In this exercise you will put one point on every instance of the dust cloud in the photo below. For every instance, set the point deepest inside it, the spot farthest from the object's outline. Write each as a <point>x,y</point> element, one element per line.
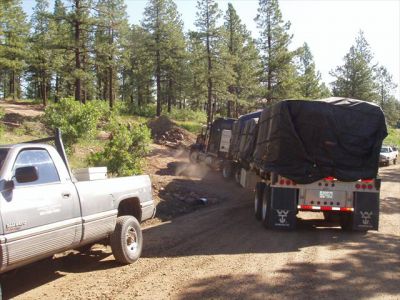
<point>191,170</point>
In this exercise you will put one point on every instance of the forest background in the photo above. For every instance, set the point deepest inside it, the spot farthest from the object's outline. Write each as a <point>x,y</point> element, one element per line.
<point>85,52</point>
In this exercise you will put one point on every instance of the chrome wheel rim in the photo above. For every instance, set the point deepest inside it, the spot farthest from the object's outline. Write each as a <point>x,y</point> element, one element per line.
<point>131,240</point>
<point>193,156</point>
<point>225,172</point>
<point>264,210</point>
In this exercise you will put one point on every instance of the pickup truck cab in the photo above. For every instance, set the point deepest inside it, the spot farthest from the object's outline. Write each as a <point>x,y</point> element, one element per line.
<point>387,155</point>
<point>44,210</point>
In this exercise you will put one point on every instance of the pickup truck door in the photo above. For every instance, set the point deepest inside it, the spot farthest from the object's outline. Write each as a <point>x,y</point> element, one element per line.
<point>40,217</point>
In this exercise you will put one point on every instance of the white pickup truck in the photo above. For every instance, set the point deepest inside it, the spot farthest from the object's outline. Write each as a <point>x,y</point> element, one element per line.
<point>44,210</point>
<point>387,155</point>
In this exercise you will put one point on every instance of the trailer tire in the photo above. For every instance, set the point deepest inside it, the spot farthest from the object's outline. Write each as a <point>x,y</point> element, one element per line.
<point>258,199</point>
<point>227,169</point>
<point>266,206</point>
<point>328,216</point>
<point>126,241</point>
<point>193,156</point>
<point>346,221</point>
<point>237,175</point>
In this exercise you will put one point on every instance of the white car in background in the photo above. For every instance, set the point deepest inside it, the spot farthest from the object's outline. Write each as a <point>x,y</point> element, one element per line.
<point>388,154</point>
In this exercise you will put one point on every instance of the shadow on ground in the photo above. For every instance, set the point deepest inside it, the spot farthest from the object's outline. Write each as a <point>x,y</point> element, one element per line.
<point>390,174</point>
<point>196,187</point>
<point>390,205</point>
<point>51,269</point>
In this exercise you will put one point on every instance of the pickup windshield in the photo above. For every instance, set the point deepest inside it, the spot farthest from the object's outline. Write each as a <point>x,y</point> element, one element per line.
<point>385,150</point>
<point>3,154</point>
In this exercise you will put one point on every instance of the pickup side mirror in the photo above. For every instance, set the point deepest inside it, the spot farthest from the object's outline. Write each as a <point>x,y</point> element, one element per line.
<point>26,174</point>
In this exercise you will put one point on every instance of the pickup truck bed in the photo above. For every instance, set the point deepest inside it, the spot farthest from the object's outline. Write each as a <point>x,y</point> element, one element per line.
<point>44,210</point>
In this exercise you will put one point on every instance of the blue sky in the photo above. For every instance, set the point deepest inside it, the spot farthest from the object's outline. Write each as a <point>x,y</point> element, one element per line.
<point>328,26</point>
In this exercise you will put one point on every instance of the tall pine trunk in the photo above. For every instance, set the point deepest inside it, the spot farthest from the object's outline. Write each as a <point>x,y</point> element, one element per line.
<point>209,68</point>
<point>78,84</point>
<point>12,85</point>
<point>44,89</point>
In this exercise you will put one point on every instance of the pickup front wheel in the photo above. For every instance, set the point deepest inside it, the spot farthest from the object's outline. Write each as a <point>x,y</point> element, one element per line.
<point>126,240</point>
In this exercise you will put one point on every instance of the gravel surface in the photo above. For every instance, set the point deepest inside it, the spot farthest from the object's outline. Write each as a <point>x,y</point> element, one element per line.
<point>222,252</point>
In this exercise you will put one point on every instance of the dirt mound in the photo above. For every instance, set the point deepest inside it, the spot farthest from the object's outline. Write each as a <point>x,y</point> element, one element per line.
<point>166,132</point>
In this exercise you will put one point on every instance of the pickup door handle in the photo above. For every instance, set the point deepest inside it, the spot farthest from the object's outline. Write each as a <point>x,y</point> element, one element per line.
<point>66,195</point>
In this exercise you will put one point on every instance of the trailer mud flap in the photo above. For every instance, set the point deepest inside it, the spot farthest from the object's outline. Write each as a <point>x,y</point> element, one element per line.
<point>366,211</point>
<point>283,208</point>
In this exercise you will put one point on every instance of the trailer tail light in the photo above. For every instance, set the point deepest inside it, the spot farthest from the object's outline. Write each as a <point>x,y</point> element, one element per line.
<point>358,186</point>
<point>367,180</point>
<point>370,186</point>
<point>329,178</point>
<point>325,208</point>
<point>287,182</point>
<point>346,209</point>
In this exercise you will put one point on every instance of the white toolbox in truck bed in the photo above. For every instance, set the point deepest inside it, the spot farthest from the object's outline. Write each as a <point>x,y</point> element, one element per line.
<point>89,174</point>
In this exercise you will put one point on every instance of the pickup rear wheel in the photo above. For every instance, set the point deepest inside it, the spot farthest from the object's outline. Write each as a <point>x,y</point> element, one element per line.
<point>126,240</point>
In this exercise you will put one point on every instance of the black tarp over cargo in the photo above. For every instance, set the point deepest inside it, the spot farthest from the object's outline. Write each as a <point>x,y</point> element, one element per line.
<point>237,131</point>
<point>309,140</point>
<point>247,140</point>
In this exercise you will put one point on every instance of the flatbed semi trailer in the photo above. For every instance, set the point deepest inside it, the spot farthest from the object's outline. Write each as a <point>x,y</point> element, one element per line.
<point>319,156</point>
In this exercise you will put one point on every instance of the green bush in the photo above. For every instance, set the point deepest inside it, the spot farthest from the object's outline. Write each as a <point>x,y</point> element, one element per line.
<point>192,127</point>
<point>2,114</point>
<point>393,138</point>
<point>75,119</point>
<point>148,111</point>
<point>187,115</point>
<point>123,154</point>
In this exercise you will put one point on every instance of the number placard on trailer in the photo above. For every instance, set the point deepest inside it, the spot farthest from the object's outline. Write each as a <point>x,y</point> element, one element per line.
<point>225,140</point>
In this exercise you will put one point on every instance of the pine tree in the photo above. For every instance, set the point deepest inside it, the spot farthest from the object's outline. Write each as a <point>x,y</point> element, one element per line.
<point>385,88</point>
<point>61,53</point>
<point>243,58</point>
<point>14,45</point>
<point>279,78</point>
<point>355,78</point>
<point>207,17</point>
<point>196,88</point>
<point>139,66</point>
<point>81,22</point>
<point>112,26</point>
<point>163,22</point>
<point>41,39</point>
<point>385,85</point>
<point>309,79</point>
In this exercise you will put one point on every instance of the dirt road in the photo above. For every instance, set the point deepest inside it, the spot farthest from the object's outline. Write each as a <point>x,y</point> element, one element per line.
<point>221,252</point>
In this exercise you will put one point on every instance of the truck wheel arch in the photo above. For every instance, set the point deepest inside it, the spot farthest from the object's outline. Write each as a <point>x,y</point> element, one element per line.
<point>130,207</point>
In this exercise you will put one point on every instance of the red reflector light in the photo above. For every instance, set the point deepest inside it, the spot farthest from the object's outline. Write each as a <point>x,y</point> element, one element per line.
<point>288,182</point>
<point>358,186</point>
<point>282,181</point>
<point>346,209</point>
<point>306,207</point>
<point>329,178</point>
<point>367,180</point>
<point>370,186</point>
